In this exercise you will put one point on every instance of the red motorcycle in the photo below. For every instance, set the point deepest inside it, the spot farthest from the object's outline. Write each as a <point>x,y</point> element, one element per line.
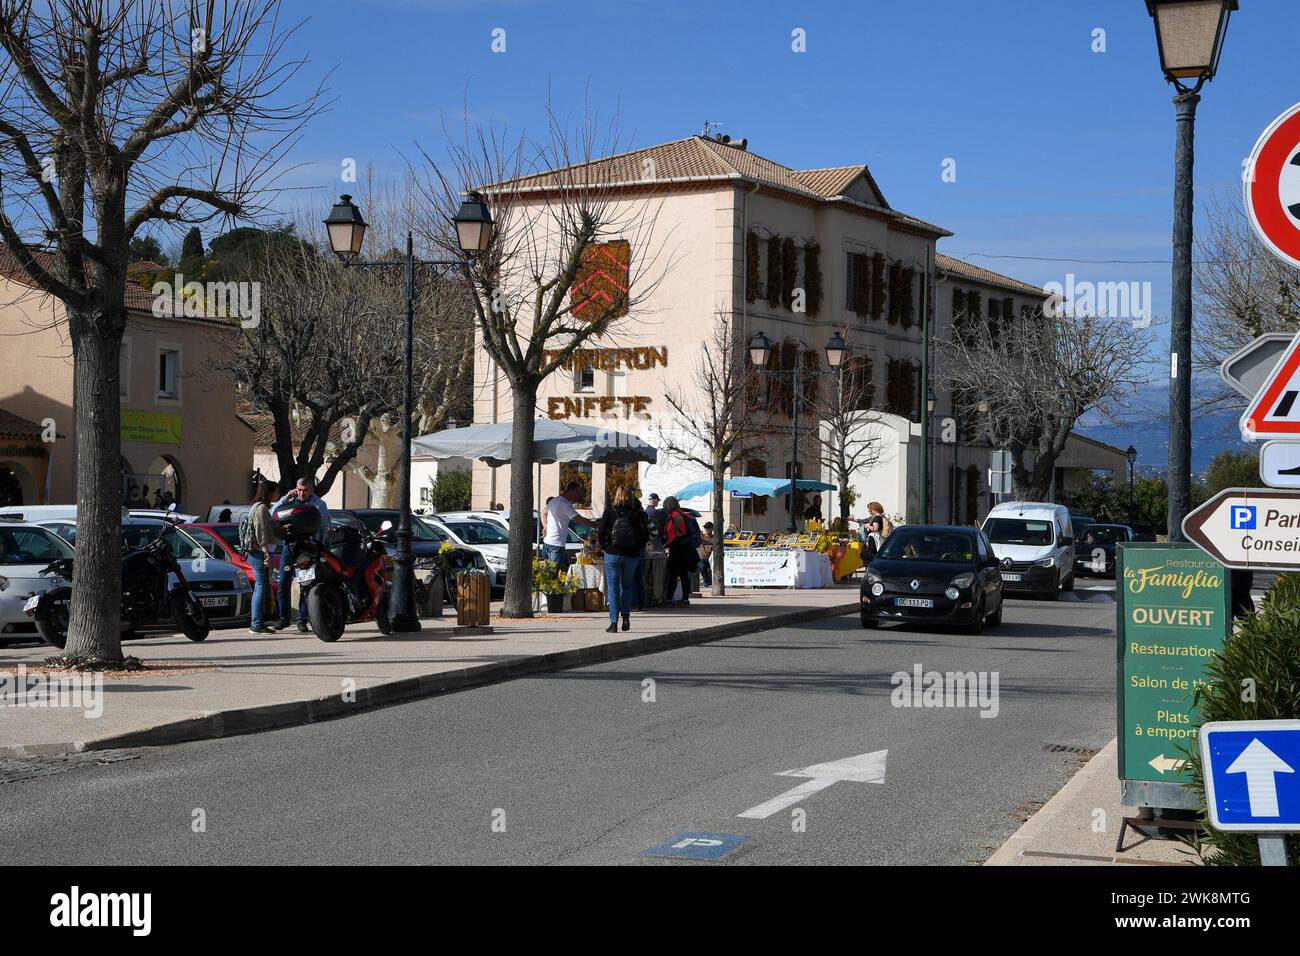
<point>343,580</point>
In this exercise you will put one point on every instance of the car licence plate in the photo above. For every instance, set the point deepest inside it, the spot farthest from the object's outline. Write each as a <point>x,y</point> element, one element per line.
<point>32,601</point>
<point>913,602</point>
<point>1013,577</point>
<point>305,575</point>
<point>214,601</point>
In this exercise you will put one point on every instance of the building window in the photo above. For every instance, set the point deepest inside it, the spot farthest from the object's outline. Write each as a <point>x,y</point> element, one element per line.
<point>169,369</point>
<point>584,378</point>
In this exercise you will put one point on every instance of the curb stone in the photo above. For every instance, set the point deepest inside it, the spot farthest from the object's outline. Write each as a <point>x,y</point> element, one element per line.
<point>248,720</point>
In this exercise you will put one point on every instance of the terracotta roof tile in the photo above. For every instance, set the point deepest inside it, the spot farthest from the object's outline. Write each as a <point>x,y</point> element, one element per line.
<point>138,298</point>
<point>702,159</point>
<point>971,273</point>
<point>14,427</point>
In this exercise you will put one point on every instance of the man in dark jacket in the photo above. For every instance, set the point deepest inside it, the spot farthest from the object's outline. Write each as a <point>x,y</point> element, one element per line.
<point>623,533</point>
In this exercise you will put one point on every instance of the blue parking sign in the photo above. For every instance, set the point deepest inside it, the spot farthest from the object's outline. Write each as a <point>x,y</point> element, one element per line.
<point>1252,774</point>
<point>1242,517</point>
<point>698,846</point>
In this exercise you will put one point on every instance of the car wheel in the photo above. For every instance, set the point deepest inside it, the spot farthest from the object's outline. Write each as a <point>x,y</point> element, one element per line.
<point>869,621</point>
<point>51,616</point>
<point>995,618</point>
<point>976,626</point>
<point>1069,584</point>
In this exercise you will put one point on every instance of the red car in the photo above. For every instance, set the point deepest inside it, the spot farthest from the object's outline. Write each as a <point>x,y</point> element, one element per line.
<point>221,541</point>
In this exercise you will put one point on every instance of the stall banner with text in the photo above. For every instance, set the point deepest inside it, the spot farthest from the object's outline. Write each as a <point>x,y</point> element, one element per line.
<point>1173,611</point>
<point>761,568</point>
<point>161,427</point>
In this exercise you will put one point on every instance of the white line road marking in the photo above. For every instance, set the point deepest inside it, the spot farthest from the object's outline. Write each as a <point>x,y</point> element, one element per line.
<point>864,768</point>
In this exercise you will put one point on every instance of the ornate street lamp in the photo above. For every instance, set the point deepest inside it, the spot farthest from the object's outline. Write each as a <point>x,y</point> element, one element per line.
<point>346,229</point>
<point>760,350</point>
<point>835,351</point>
<point>1189,35</point>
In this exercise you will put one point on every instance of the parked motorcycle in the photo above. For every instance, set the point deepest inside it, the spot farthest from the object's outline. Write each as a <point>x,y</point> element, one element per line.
<point>344,580</point>
<point>146,597</point>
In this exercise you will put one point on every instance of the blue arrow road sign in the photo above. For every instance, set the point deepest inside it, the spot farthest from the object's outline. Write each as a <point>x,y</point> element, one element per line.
<point>1252,774</point>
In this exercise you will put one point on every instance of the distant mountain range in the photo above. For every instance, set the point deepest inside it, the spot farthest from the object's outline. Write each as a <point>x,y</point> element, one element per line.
<point>1146,428</point>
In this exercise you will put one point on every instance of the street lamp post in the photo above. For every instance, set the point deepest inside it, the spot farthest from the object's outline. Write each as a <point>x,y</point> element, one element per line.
<point>760,349</point>
<point>347,229</point>
<point>1132,455</point>
<point>1189,36</point>
<point>927,454</point>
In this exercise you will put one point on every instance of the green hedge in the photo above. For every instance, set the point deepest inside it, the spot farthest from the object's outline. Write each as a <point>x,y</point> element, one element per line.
<point>1257,677</point>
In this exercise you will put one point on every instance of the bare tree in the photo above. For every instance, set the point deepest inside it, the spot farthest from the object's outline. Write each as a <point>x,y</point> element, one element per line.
<point>1242,290</point>
<point>1030,379</point>
<point>848,437</point>
<point>714,427</point>
<point>573,255</point>
<point>113,116</point>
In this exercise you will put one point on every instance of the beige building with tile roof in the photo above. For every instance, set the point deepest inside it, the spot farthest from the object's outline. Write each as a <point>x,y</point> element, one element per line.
<point>180,433</point>
<point>744,231</point>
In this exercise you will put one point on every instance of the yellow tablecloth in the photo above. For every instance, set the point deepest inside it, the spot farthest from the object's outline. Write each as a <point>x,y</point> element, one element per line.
<point>850,561</point>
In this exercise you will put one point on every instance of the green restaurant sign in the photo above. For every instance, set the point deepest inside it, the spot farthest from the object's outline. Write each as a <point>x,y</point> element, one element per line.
<point>1173,611</point>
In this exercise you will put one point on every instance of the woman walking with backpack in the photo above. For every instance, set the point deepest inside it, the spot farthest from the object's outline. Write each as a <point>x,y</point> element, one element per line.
<point>623,533</point>
<point>682,556</point>
<point>259,536</point>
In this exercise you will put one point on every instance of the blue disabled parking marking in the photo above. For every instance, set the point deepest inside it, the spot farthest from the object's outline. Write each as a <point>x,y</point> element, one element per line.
<point>698,846</point>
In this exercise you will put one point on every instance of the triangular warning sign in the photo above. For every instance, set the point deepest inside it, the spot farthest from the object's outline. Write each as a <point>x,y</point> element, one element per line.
<point>1275,409</point>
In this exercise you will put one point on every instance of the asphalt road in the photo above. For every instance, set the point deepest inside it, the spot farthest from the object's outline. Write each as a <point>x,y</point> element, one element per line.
<point>578,767</point>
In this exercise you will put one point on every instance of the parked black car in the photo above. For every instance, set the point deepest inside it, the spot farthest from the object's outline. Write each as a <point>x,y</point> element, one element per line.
<point>1094,549</point>
<point>933,574</point>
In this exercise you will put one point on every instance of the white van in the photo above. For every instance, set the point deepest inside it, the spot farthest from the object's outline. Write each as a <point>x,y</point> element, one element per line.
<point>1035,543</point>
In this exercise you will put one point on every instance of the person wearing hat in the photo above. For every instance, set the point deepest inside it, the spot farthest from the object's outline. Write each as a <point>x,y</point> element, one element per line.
<point>656,517</point>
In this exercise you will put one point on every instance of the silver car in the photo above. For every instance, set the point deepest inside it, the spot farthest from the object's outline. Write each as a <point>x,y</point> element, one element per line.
<point>25,549</point>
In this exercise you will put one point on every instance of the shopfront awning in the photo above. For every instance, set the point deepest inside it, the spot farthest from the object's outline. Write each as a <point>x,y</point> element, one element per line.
<point>762,487</point>
<point>552,441</point>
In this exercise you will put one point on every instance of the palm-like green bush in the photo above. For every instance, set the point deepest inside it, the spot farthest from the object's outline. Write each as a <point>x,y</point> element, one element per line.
<point>1257,677</point>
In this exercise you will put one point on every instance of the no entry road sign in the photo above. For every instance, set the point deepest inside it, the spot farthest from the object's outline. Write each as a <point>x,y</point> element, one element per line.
<point>1252,782</point>
<point>1272,186</point>
<point>1256,529</point>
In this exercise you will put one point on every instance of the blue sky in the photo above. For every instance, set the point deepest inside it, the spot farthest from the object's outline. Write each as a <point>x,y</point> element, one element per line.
<point>1061,152</point>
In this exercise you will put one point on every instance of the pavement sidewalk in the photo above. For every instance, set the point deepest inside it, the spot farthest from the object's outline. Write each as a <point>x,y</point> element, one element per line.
<point>238,682</point>
<point>1079,826</point>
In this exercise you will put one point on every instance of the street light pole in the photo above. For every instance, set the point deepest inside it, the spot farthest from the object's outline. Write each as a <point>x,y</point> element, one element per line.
<point>1189,38</point>
<point>794,445</point>
<point>1180,324</point>
<point>1132,455</point>
<point>760,350</point>
<point>404,618</point>
<point>346,229</point>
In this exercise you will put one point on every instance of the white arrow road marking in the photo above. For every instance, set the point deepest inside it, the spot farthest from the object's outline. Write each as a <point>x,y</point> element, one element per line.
<point>1259,764</point>
<point>864,768</point>
<point>1163,763</point>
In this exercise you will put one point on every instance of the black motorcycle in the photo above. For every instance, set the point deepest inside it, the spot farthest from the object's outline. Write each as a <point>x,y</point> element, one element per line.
<point>146,597</point>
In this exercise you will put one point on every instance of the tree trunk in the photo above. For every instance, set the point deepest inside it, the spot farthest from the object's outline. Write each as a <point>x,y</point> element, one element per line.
<point>519,553</point>
<point>719,587</point>
<point>97,595</point>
